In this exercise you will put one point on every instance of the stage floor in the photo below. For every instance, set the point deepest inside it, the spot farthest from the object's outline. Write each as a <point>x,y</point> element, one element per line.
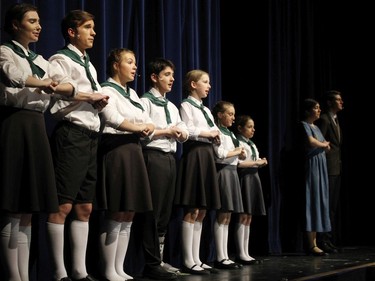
<point>351,264</point>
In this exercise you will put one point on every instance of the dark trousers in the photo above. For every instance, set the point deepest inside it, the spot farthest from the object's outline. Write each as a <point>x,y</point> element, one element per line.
<point>161,168</point>
<point>150,239</point>
<point>334,212</point>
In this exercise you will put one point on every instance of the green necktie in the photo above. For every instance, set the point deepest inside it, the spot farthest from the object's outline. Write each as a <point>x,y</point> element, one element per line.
<point>226,131</point>
<point>201,107</point>
<point>30,58</point>
<point>76,58</point>
<point>160,102</point>
<point>122,92</point>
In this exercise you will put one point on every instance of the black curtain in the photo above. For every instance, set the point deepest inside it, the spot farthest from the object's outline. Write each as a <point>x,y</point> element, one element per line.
<point>265,57</point>
<point>287,51</point>
<point>186,32</point>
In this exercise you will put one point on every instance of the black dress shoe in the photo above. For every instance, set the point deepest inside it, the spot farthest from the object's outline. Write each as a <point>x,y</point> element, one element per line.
<point>333,246</point>
<point>191,270</point>
<point>87,278</point>
<point>325,246</point>
<point>158,273</point>
<point>222,265</point>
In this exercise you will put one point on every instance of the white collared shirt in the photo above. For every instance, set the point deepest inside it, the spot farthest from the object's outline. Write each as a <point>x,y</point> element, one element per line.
<point>221,151</point>
<point>120,108</point>
<point>195,120</point>
<point>158,116</point>
<point>249,152</point>
<point>17,70</point>
<point>65,70</point>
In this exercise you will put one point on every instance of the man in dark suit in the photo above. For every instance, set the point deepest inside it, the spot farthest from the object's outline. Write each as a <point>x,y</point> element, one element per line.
<point>329,125</point>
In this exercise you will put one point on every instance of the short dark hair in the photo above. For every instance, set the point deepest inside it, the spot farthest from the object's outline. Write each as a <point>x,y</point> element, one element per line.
<point>156,66</point>
<point>16,12</point>
<point>331,95</point>
<point>74,19</point>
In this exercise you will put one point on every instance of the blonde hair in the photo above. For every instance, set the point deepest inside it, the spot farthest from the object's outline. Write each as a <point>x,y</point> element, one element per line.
<point>192,75</point>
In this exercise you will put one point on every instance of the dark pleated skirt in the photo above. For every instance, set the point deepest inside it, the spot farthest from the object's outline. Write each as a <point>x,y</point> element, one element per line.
<point>230,190</point>
<point>123,179</point>
<point>197,185</point>
<point>252,192</point>
<point>27,178</point>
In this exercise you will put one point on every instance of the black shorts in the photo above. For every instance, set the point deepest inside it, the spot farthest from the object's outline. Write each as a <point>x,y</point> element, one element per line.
<point>75,159</point>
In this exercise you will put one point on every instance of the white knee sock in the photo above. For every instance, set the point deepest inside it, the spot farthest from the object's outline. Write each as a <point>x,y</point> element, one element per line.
<point>240,242</point>
<point>246,242</point>
<point>24,239</point>
<point>56,240</point>
<point>9,245</point>
<point>197,233</point>
<point>108,245</point>
<point>187,243</point>
<point>79,231</point>
<point>225,240</point>
<point>122,248</point>
<point>219,236</point>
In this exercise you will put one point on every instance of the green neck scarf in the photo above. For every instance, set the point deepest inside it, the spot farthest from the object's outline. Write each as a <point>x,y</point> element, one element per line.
<point>227,132</point>
<point>76,58</point>
<point>252,146</point>
<point>30,58</point>
<point>201,107</point>
<point>159,102</point>
<point>122,92</point>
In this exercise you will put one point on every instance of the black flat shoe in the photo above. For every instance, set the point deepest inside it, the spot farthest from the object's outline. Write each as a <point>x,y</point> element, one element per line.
<point>87,278</point>
<point>222,265</point>
<point>312,252</point>
<point>191,270</point>
<point>245,262</point>
<point>209,268</point>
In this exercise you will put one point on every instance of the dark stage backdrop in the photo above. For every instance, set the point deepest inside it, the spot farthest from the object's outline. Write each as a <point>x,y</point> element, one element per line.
<point>277,53</point>
<point>265,57</point>
<point>186,32</point>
